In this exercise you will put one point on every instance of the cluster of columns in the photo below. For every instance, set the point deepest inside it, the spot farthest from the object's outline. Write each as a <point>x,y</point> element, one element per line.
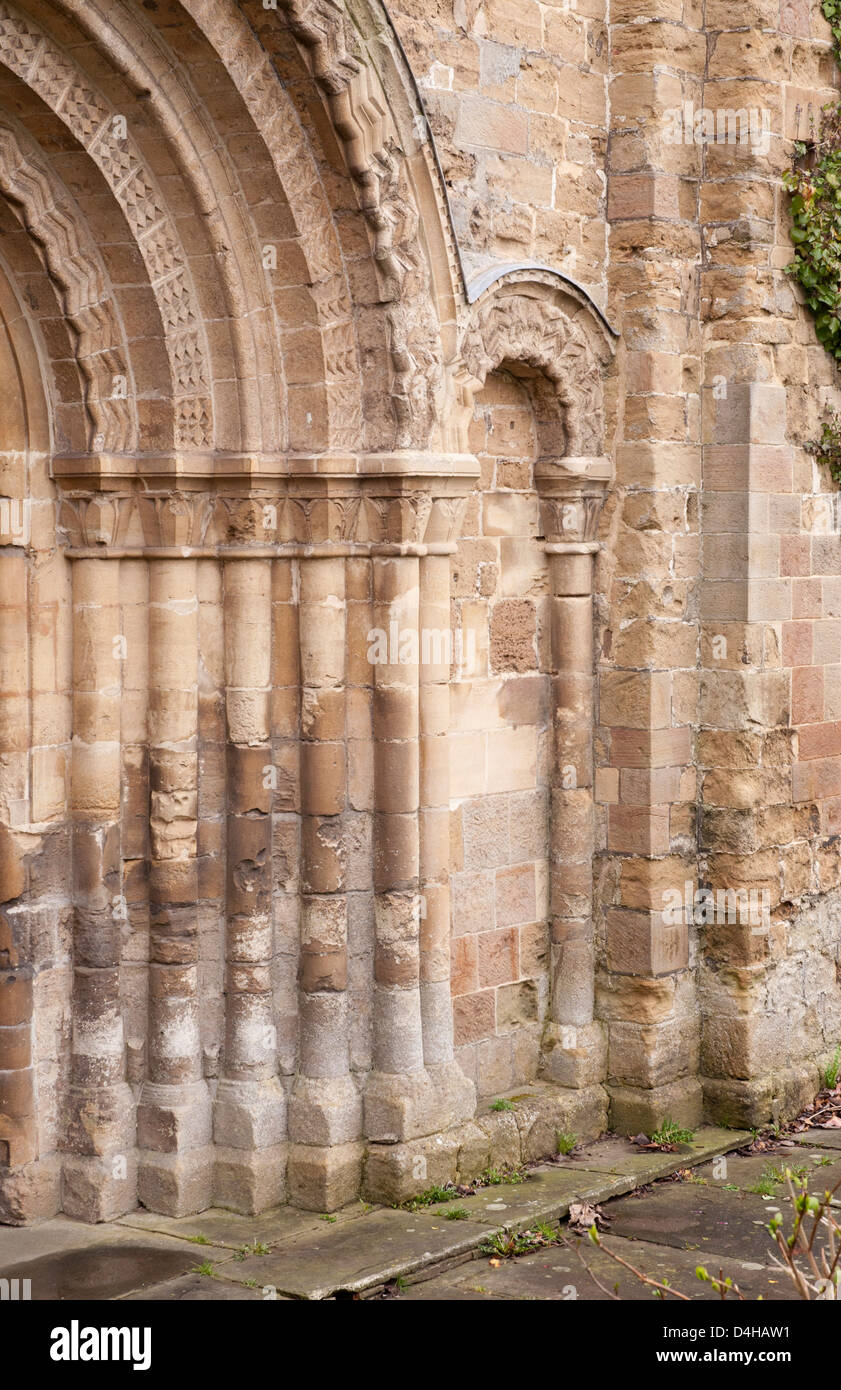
<point>344,740</point>
<point>373,815</point>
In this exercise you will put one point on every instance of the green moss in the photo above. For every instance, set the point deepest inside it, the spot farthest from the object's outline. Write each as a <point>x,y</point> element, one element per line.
<point>814,188</point>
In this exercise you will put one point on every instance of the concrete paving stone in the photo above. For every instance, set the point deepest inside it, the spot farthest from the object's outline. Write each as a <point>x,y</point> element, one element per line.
<point>558,1274</point>
<point>228,1228</point>
<point>195,1288</point>
<point>703,1219</point>
<point>355,1256</point>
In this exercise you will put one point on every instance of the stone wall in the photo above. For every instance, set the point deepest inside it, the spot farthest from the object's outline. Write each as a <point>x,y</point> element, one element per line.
<point>457,323</point>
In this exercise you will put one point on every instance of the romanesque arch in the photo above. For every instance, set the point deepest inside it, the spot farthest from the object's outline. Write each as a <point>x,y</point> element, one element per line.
<point>244,977</point>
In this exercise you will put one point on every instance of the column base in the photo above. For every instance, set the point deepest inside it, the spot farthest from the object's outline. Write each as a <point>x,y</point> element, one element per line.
<point>325,1110</point>
<point>32,1192</point>
<point>249,1182</point>
<point>99,1187</point>
<point>638,1111</point>
<point>174,1132</point>
<point>174,1118</point>
<point>249,1115</point>
<point>401,1106</point>
<point>175,1184</point>
<point>574,1055</point>
<point>101,1121</point>
<point>750,1104</point>
<point>324,1179</point>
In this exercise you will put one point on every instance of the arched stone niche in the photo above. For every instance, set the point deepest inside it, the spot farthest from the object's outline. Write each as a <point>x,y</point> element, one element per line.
<point>545,332</point>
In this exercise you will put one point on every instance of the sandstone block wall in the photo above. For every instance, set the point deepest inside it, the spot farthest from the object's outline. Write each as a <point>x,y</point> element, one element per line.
<point>413,582</point>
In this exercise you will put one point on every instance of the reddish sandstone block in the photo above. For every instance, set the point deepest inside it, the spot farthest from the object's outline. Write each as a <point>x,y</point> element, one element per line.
<point>515,895</point>
<point>797,644</point>
<point>811,781</point>
<point>498,962</point>
<point>474,1017</point>
<point>819,741</point>
<point>807,695</point>
<point>464,965</point>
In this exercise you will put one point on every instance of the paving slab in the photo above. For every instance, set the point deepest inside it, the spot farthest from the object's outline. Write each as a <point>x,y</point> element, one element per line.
<point>616,1155</point>
<point>703,1219</point>
<point>71,1259</point>
<point>229,1228</point>
<point>830,1138</point>
<point>104,1271</point>
<point>356,1256</point>
<point>543,1195</point>
<point>194,1288</point>
<point>820,1167</point>
<point>558,1274</point>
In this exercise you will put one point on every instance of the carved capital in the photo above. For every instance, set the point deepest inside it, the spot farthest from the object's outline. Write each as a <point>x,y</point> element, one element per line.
<point>571,494</point>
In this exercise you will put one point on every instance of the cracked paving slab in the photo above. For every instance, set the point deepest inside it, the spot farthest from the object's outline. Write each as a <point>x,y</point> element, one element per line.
<point>557,1274</point>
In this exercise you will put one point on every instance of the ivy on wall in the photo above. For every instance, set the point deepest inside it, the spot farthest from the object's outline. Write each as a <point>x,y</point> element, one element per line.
<point>814,186</point>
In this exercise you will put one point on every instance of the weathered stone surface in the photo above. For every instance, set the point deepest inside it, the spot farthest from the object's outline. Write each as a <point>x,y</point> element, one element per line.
<point>396,640</point>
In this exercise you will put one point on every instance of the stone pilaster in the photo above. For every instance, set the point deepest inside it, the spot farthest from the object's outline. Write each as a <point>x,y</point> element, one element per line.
<point>648,677</point>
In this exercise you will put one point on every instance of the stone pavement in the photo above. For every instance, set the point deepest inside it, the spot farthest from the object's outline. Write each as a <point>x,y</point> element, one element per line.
<point>429,1253</point>
<point>708,1214</point>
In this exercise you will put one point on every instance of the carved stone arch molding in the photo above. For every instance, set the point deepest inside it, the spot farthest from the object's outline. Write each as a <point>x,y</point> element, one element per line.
<point>30,53</point>
<point>544,327</point>
<point>74,265</point>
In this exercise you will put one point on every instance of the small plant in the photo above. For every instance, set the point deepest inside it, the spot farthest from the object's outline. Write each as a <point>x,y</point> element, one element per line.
<point>508,1245</point>
<point>830,1076</point>
<point>198,1240</point>
<point>670,1132</point>
<point>250,1283</point>
<point>565,1142</point>
<point>766,1183</point>
<point>494,1177</point>
<point>206,1268</point>
<point>430,1197</point>
<point>772,1176</point>
<point>330,1219</point>
<point>454,1214</point>
<point>256,1248</point>
<point>502,1105</point>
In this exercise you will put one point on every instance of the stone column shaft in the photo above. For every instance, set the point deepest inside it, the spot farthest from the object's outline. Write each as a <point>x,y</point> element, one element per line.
<point>98,1173</point>
<point>174,1116</point>
<point>325,1110</point>
<point>434,818</point>
<point>576,1054</point>
<point>250,1106</point>
<point>18,1118</point>
<point>398,1039</point>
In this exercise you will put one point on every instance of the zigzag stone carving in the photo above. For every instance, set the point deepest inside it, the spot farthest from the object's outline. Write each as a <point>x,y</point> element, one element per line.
<point>27,51</point>
<point>73,263</point>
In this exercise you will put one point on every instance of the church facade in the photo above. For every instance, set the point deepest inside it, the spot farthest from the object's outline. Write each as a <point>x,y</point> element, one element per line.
<point>420,611</point>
